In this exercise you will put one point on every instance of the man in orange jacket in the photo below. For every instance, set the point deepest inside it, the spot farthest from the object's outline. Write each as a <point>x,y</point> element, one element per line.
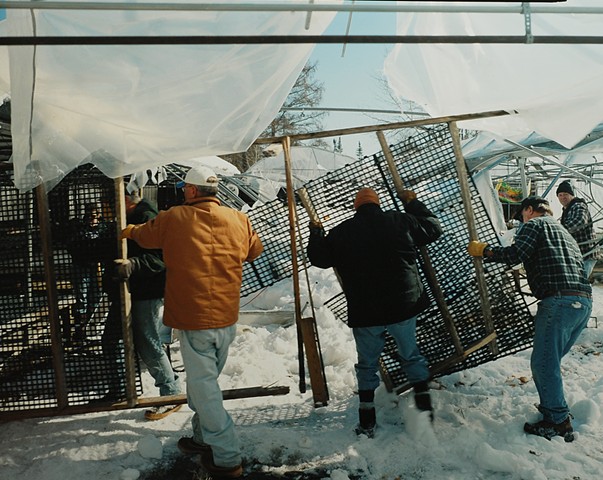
<point>204,247</point>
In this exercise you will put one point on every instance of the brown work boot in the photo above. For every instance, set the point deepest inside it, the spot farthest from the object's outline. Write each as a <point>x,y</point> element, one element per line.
<point>548,430</point>
<point>162,411</point>
<point>189,446</point>
<point>235,471</point>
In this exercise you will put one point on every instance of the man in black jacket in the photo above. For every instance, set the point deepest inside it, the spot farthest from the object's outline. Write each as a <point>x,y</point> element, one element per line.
<point>145,271</point>
<point>375,256</point>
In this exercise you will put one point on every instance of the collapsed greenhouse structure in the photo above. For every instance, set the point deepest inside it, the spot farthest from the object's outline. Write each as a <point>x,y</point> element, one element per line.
<point>478,313</point>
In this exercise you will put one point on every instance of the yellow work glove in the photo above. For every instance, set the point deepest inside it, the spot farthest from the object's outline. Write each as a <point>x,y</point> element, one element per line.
<point>126,232</point>
<point>407,196</point>
<point>476,249</point>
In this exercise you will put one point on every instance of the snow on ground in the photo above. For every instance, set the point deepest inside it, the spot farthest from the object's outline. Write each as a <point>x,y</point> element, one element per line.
<point>477,433</point>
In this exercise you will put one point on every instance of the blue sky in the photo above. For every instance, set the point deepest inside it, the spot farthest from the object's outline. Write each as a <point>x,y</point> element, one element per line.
<point>351,81</point>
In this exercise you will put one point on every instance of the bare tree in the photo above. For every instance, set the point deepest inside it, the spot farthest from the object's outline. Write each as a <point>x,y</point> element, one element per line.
<point>306,92</point>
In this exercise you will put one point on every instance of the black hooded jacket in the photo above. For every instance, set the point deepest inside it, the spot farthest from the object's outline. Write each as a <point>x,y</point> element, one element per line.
<point>147,280</point>
<point>148,275</point>
<point>375,256</point>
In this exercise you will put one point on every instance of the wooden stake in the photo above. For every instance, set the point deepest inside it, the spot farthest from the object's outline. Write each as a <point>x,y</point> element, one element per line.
<point>482,286</point>
<point>126,303</point>
<point>429,270</point>
<point>296,290</point>
<point>50,278</point>
<point>318,382</point>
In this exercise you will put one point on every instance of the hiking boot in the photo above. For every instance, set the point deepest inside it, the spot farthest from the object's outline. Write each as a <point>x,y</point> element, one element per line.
<point>162,411</point>
<point>368,422</point>
<point>548,430</point>
<point>220,472</point>
<point>189,446</point>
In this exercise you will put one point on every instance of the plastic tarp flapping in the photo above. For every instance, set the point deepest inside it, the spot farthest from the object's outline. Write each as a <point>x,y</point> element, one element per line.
<point>128,108</point>
<point>307,163</point>
<point>555,88</point>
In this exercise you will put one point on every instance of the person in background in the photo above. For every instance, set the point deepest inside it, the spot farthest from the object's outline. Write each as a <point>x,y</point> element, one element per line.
<point>375,256</point>
<point>576,218</point>
<point>89,242</point>
<point>555,272</point>
<point>204,247</point>
<point>145,271</point>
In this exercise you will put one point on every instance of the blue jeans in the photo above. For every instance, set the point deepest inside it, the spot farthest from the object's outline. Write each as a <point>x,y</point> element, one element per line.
<point>204,353</point>
<point>558,323</point>
<point>87,292</point>
<point>146,326</point>
<point>369,345</point>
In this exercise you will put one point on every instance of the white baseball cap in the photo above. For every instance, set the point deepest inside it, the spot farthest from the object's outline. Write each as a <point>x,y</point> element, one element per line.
<point>202,176</point>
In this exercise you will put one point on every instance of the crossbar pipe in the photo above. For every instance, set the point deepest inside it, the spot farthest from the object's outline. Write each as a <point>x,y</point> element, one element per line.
<point>372,7</point>
<point>298,39</point>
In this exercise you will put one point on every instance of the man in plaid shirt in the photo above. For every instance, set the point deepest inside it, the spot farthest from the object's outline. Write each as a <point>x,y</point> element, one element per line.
<point>555,271</point>
<point>577,220</point>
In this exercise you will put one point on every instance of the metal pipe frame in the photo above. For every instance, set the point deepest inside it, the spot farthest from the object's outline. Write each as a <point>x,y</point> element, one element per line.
<point>368,6</point>
<point>300,39</point>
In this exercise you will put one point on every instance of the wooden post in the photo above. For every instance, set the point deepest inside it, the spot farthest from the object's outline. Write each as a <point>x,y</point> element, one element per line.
<point>296,290</point>
<point>126,303</point>
<point>310,331</point>
<point>58,358</point>
<point>306,327</point>
<point>429,270</point>
<point>463,175</point>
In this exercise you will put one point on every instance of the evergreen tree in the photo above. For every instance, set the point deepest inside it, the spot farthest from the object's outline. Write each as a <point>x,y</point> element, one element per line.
<point>359,152</point>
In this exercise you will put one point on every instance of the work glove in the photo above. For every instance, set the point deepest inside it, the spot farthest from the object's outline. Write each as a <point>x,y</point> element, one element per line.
<point>317,229</point>
<point>126,232</point>
<point>407,196</point>
<point>476,249</point>
<point>124,268</point>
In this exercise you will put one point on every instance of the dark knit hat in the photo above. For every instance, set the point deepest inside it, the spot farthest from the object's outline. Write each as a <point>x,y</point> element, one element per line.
<point>364,196</point>
<point>566,187</point>
<point>534,202</point>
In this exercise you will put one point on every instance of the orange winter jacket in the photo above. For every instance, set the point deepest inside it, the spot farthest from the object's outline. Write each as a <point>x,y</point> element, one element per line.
<point>204,246</point>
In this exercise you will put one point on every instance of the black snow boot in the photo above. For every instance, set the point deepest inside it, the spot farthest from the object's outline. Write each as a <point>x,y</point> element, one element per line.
<point>423,398</point>
<point>368,421</point>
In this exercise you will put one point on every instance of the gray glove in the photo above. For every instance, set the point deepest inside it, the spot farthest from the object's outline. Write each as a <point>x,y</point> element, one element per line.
<point>124,268</point>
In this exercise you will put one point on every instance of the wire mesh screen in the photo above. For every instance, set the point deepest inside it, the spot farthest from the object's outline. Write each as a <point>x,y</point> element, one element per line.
<point>83,231</point>
<point>271,221</point>
<point>426,164</point>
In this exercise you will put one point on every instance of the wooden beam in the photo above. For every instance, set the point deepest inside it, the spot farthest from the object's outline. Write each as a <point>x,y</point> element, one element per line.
<point>383,127</point>
<point>248,392</point>
<point>320,394</point>
<point>482,286</point>
<point>126,302</point>
<point>293,244</point>
<point>428,267</point>
<point>50,278</point>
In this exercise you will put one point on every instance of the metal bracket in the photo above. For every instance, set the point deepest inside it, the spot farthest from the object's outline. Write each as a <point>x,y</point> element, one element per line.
<point>527,18</point>
<point>309,17</point>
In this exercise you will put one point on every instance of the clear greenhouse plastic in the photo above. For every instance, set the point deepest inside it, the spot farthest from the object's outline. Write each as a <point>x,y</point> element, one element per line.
<point>126,108</point>
<point>555,88</point>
